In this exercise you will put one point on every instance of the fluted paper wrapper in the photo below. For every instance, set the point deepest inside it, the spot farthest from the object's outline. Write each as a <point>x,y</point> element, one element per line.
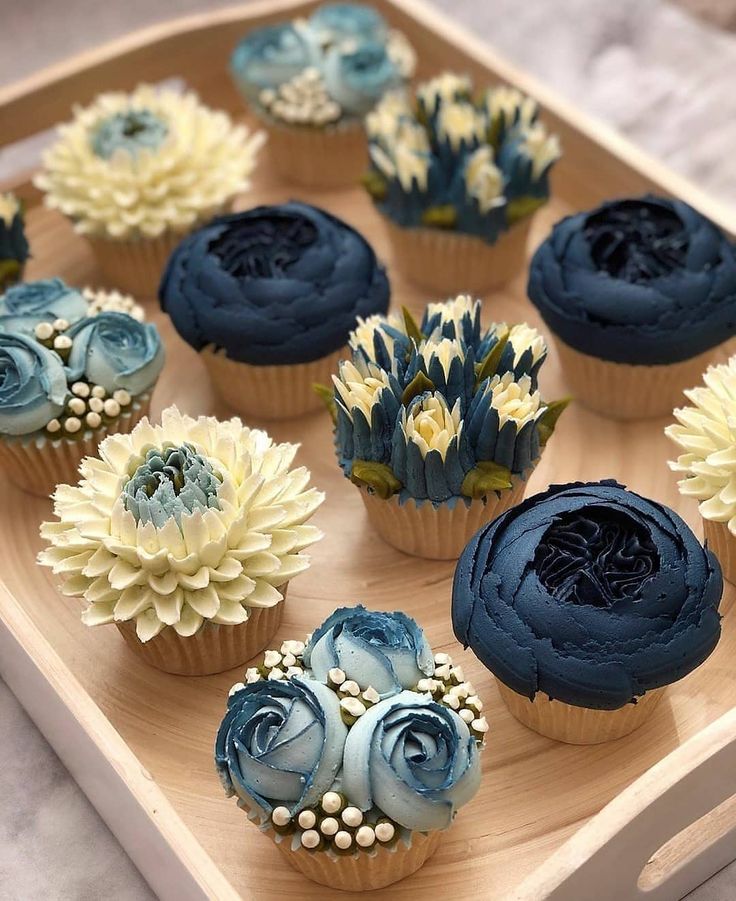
<point>212,649</point>
<point>446,263</point>
<point>578,725</point>
<point>134,267</point>
<point>363,871</point>
<point>629,392</point>
<point>439,533</point>
<point>270,392</point>
<point>723,545</point>
<point>38,464</point>
<point>330,157</point>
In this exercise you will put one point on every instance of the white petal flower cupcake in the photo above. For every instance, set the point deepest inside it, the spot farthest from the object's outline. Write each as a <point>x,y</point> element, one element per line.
<point>185,535</point>
<point>706,433</point>
<point>135,172</point>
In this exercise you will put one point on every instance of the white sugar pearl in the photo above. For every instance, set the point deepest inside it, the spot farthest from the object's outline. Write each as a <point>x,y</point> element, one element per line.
<point>385,832</point>
<point>98,391</point>
<point>371,695</point>
<point>271,658</point>
<point>122,397</point>
<point>112,407</point>
<point>310,839</point>
<point>352,817</point>
<point>336,676</point>
<point>288,660</point>
<point>467,715</point>
<point>77,406</point>
<point>252,675</point>
<point>329,826</point>
<point>72,424</point>
<point>62,342</point>
<point>53,426</point>
<point>351,687</point>
<point>353,706</point>
<point>451,701</point>
<point>442,659</point>
<point>93,420</point>
<point>365,836</point>
<point>43,331</point>
<point>281,816</point>
<point>96,404</point>
<point>458,674</point>
<point>475,702</point>
<point>480,725</point>
<point>307,819</point>
<point>331,802</point>
<point>443,672</point>
<point>276,674</point>
<point>234,689</point>
<point>343,840</point>
<point>81,389</point>
<point>60,325</point>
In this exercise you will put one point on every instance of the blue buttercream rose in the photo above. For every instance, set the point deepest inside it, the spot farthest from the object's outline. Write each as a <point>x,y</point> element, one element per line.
<point>412,758</point>
<point>588,593</point>
<point>270,56</point>
<point>27,304</point>
<point>273,285</point>
<point>33,388</point>
<point>280,743</point>
<point>387,651</point>
<point>115,351</point>
<point>641,281</point>
<point>359,77</point>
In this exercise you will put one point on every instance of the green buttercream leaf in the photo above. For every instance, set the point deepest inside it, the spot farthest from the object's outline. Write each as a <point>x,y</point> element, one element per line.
<point>9,273</point>
<point>327,396</point>
<point>522,207</point>
<point>488,367</point>
<point>440,216</point>
<point>377,476</point>
<point>548,419</point>
<point>486,477</point>
<point>412,329</point>
<point>418,385</point>
<point>375,184</point>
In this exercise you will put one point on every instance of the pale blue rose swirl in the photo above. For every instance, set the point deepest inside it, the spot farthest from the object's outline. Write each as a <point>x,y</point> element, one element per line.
<point>130,131</point>
<point>359,77</point>
<point>24,306</point>
<point>413,759</point>
<point>270,56</point>
<point>280,743</point>
<point>387,651</point>
<point>115,351</point>
<point>33,388</point>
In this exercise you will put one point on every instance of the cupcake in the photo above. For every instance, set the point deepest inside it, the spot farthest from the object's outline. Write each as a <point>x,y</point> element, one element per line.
<point>13,244</point>
<point>452,175</point>
<point>73,372</point>
<point>185,535</point>
<point>706,433</point>
<point>135,172</point>
<point>353,750</point>
<point>640,295</point>
<point>440,425</point>
<point>585,602</point>
<point>269,297</point>
<point>311,82</point>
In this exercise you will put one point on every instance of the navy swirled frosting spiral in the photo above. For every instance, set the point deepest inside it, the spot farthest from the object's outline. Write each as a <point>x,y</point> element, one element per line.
<point>589,593</point>
<point>273,285</point>
<point>641,281</point>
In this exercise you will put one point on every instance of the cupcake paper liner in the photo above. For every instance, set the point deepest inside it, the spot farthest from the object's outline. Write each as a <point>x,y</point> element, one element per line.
<point>331,157</point>
<point>435,533</point>
<point>39,463</point>
<point>446,262</point>
<point>629,392</point>
<point>363,871</point>
<point>578,725</point>
<point>134,267</point>
<point>723,544</point>
<point>213,649</point>
<point>270,392</point>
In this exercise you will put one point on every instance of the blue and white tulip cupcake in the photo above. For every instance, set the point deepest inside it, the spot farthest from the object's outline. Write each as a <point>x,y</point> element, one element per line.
<point>311,81</point>
<point>72,372</point>
<point>354,749</point>
<point>440,424</point>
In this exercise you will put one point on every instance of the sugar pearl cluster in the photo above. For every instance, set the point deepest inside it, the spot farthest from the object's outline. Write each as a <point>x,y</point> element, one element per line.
<point>303,100</point>
<point>447,686</point>
<point>353,702</point>
<point>101,301</point>
<point>282,664</point>
<point>335,824</point>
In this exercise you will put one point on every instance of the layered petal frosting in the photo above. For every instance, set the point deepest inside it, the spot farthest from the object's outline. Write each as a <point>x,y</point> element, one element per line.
<point>23,306</point>
<point>33,387</point>
<point>588,593</point>
<point>641,281</point>
<point>273,285</point>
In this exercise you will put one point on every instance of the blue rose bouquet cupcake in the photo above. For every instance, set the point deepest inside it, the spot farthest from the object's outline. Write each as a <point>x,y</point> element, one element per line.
<point>269,296</point>
<point>73,372</point>
<point>457,178</point>
<point>585,602</point>
<point>311,82</point>
<point>353,750</point>
<point>640,294</point>
<point>13,243</point>
<point>439,425</point>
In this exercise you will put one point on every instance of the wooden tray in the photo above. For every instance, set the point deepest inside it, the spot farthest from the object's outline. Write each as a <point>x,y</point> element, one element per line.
<point>140,742</point>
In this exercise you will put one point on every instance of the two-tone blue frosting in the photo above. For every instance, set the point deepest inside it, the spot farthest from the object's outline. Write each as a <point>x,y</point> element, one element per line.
<point>273,285</point>
<point>588,593</point>
<point>641,281</point>
<point>23,306</point>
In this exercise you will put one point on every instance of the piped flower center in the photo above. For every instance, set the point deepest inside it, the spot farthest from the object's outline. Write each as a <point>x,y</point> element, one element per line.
<point>131,131</point>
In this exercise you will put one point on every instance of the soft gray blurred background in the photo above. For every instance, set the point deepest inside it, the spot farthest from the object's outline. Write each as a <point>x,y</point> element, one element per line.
<point>662,71</point>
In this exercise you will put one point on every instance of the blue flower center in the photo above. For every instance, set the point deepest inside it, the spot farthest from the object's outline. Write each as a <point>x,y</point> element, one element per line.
<point>171,481</point>
<point>256,248</point>
<point>131,131</point>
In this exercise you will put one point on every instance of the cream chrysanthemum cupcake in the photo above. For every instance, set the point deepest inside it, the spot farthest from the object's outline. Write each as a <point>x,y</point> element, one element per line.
<point>135,172</point>
<point>706,432</point>
<point>185,535</point>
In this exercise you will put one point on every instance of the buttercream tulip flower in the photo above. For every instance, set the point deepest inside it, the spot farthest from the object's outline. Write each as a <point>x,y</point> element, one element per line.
<point>182,526</point>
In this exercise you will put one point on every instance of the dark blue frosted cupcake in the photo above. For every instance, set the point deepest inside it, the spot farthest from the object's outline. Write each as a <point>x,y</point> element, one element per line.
<point>270,296</point>
<point>585,602</point>
<point>641,296</point>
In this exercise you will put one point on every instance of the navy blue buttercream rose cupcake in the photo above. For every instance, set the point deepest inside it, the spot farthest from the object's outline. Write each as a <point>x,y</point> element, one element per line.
<point>312,80</point>
<point>270,296</point>
<point>585,602</point>
<point>70,373</point>
<point>355,749</point>
<point>641,296</point>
